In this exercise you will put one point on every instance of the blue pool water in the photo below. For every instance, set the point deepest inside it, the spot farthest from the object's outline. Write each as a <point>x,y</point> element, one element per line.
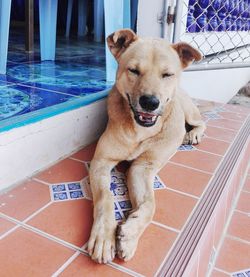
<point>32,90</point>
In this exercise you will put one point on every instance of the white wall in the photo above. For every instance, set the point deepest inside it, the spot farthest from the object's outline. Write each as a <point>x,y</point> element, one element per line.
<point>25,150</point>
<point>216,85</point>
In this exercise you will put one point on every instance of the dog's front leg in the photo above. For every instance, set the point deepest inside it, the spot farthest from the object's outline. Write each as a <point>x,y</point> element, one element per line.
<point>140,183</point>
<point>101,245</point>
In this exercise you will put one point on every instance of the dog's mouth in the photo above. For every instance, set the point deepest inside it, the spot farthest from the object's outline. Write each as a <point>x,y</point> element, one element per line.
<point>144,119</point>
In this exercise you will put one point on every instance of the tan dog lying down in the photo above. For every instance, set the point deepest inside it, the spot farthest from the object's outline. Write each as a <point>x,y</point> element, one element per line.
<point>147,116</point>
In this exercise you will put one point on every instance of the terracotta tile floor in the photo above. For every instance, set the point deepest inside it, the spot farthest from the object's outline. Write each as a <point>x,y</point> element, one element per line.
<point>45,222</point>
<point>234,254</point>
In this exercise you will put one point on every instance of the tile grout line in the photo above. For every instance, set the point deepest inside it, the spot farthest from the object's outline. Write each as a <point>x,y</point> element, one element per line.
<point>25,220</point>
<point>40,181</point>
<point>238,239</point>
<point>165,226</point>
<point>66,264</point>
<point>41,233</point>
<point>9,232</point>
<point>64,243</point>
<point>204,151</point>
<point>25,84</point>
<point>224,128</point>
<point>222,271</point>
<point>37,212</point>
<point>183,193</point>
<point>246,191</point>
<point>206,136</point>
<point>234,120</point>
<point>77,160</point>
<point>241,212</point>
<point>189,167</point>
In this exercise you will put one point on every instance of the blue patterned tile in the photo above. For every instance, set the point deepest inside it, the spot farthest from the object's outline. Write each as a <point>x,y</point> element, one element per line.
<point>158,184</point>
<point>70,78</point>
<point>242,273</point>
<point>118,216</point>
<point>126,204</point>
<point>16,100</point>
<point>22,56</point>
<point>212,115</point>
<point>74,186</point>
<point>186,147</point>
<point>60,196</point>
<point>57,188</point>
<point>76,194</point>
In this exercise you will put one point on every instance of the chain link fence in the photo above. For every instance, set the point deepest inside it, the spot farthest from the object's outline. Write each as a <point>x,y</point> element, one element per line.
<point>220,29</point>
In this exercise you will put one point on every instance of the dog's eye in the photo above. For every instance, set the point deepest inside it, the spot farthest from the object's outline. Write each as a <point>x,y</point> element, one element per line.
<point>134,71</point>
<point>166,75</point>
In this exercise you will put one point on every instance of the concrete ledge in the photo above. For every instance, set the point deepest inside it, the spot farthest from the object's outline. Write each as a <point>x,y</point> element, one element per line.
<point>30,148</point>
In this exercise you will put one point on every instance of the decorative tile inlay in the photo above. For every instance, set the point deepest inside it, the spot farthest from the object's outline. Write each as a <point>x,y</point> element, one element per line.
<point>212,115</point>
<point>186,147</point>
<point>79,190</point>
<point>242,273</point>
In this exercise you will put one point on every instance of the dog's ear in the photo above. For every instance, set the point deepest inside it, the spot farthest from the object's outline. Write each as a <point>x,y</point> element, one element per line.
<point>120,40</point>
<point>187,53</point>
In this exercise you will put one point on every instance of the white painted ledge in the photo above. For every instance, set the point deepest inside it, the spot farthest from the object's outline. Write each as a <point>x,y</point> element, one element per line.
<point>31,148</point>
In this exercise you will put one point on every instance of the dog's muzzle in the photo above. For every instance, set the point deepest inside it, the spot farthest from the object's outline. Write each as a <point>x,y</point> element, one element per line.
<point>144,119</point>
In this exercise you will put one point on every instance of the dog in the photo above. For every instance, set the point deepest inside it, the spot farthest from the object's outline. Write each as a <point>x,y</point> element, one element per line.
<point>147,116</point>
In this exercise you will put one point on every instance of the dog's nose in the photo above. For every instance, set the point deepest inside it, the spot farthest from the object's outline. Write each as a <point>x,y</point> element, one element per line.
<point>149,102</point>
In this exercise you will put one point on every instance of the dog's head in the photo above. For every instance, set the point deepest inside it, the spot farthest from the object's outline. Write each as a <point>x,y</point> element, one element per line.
<point>148,72</point>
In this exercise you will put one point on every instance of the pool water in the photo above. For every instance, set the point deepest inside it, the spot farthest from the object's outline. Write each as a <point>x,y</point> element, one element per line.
<point>32,89</point>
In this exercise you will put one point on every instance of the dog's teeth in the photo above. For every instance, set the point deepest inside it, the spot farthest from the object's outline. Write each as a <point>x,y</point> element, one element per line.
<point>154,118</point>
<point>141,117</point>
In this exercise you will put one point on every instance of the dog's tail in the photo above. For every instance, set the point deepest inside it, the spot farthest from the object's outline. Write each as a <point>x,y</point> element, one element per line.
<point>206,108</point>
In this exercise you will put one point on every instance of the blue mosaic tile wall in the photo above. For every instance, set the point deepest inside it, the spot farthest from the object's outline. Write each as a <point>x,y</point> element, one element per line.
<point>218,15</point>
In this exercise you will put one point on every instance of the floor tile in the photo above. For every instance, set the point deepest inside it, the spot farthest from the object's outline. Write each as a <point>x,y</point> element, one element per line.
<point>222,134</point>
<point>85,154</point>
<point>173,209</point>
<point>240,226</point>
<point>234,256</point>
<point>216,273</point>
<point>152,249</point>
<point>234,116</point>
<point>16,100</point>
<point>65,171</point>
<point>247,184</point>
<point>24,200</point>
<point>197,160</point>
<point>24,253</point>
<point>225,123</point>
<point>244,202</point>
<point>236,108</point>
<point>84,266</point>
<point>214,146</point>
<point>69,220</point>
<point>5,226</point>
<point>184,179</point>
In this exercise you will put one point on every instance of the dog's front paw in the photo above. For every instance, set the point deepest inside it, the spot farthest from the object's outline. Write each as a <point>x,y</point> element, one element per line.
<point>101,245</point>
<point>193,137</point>
<point>126,243</point>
